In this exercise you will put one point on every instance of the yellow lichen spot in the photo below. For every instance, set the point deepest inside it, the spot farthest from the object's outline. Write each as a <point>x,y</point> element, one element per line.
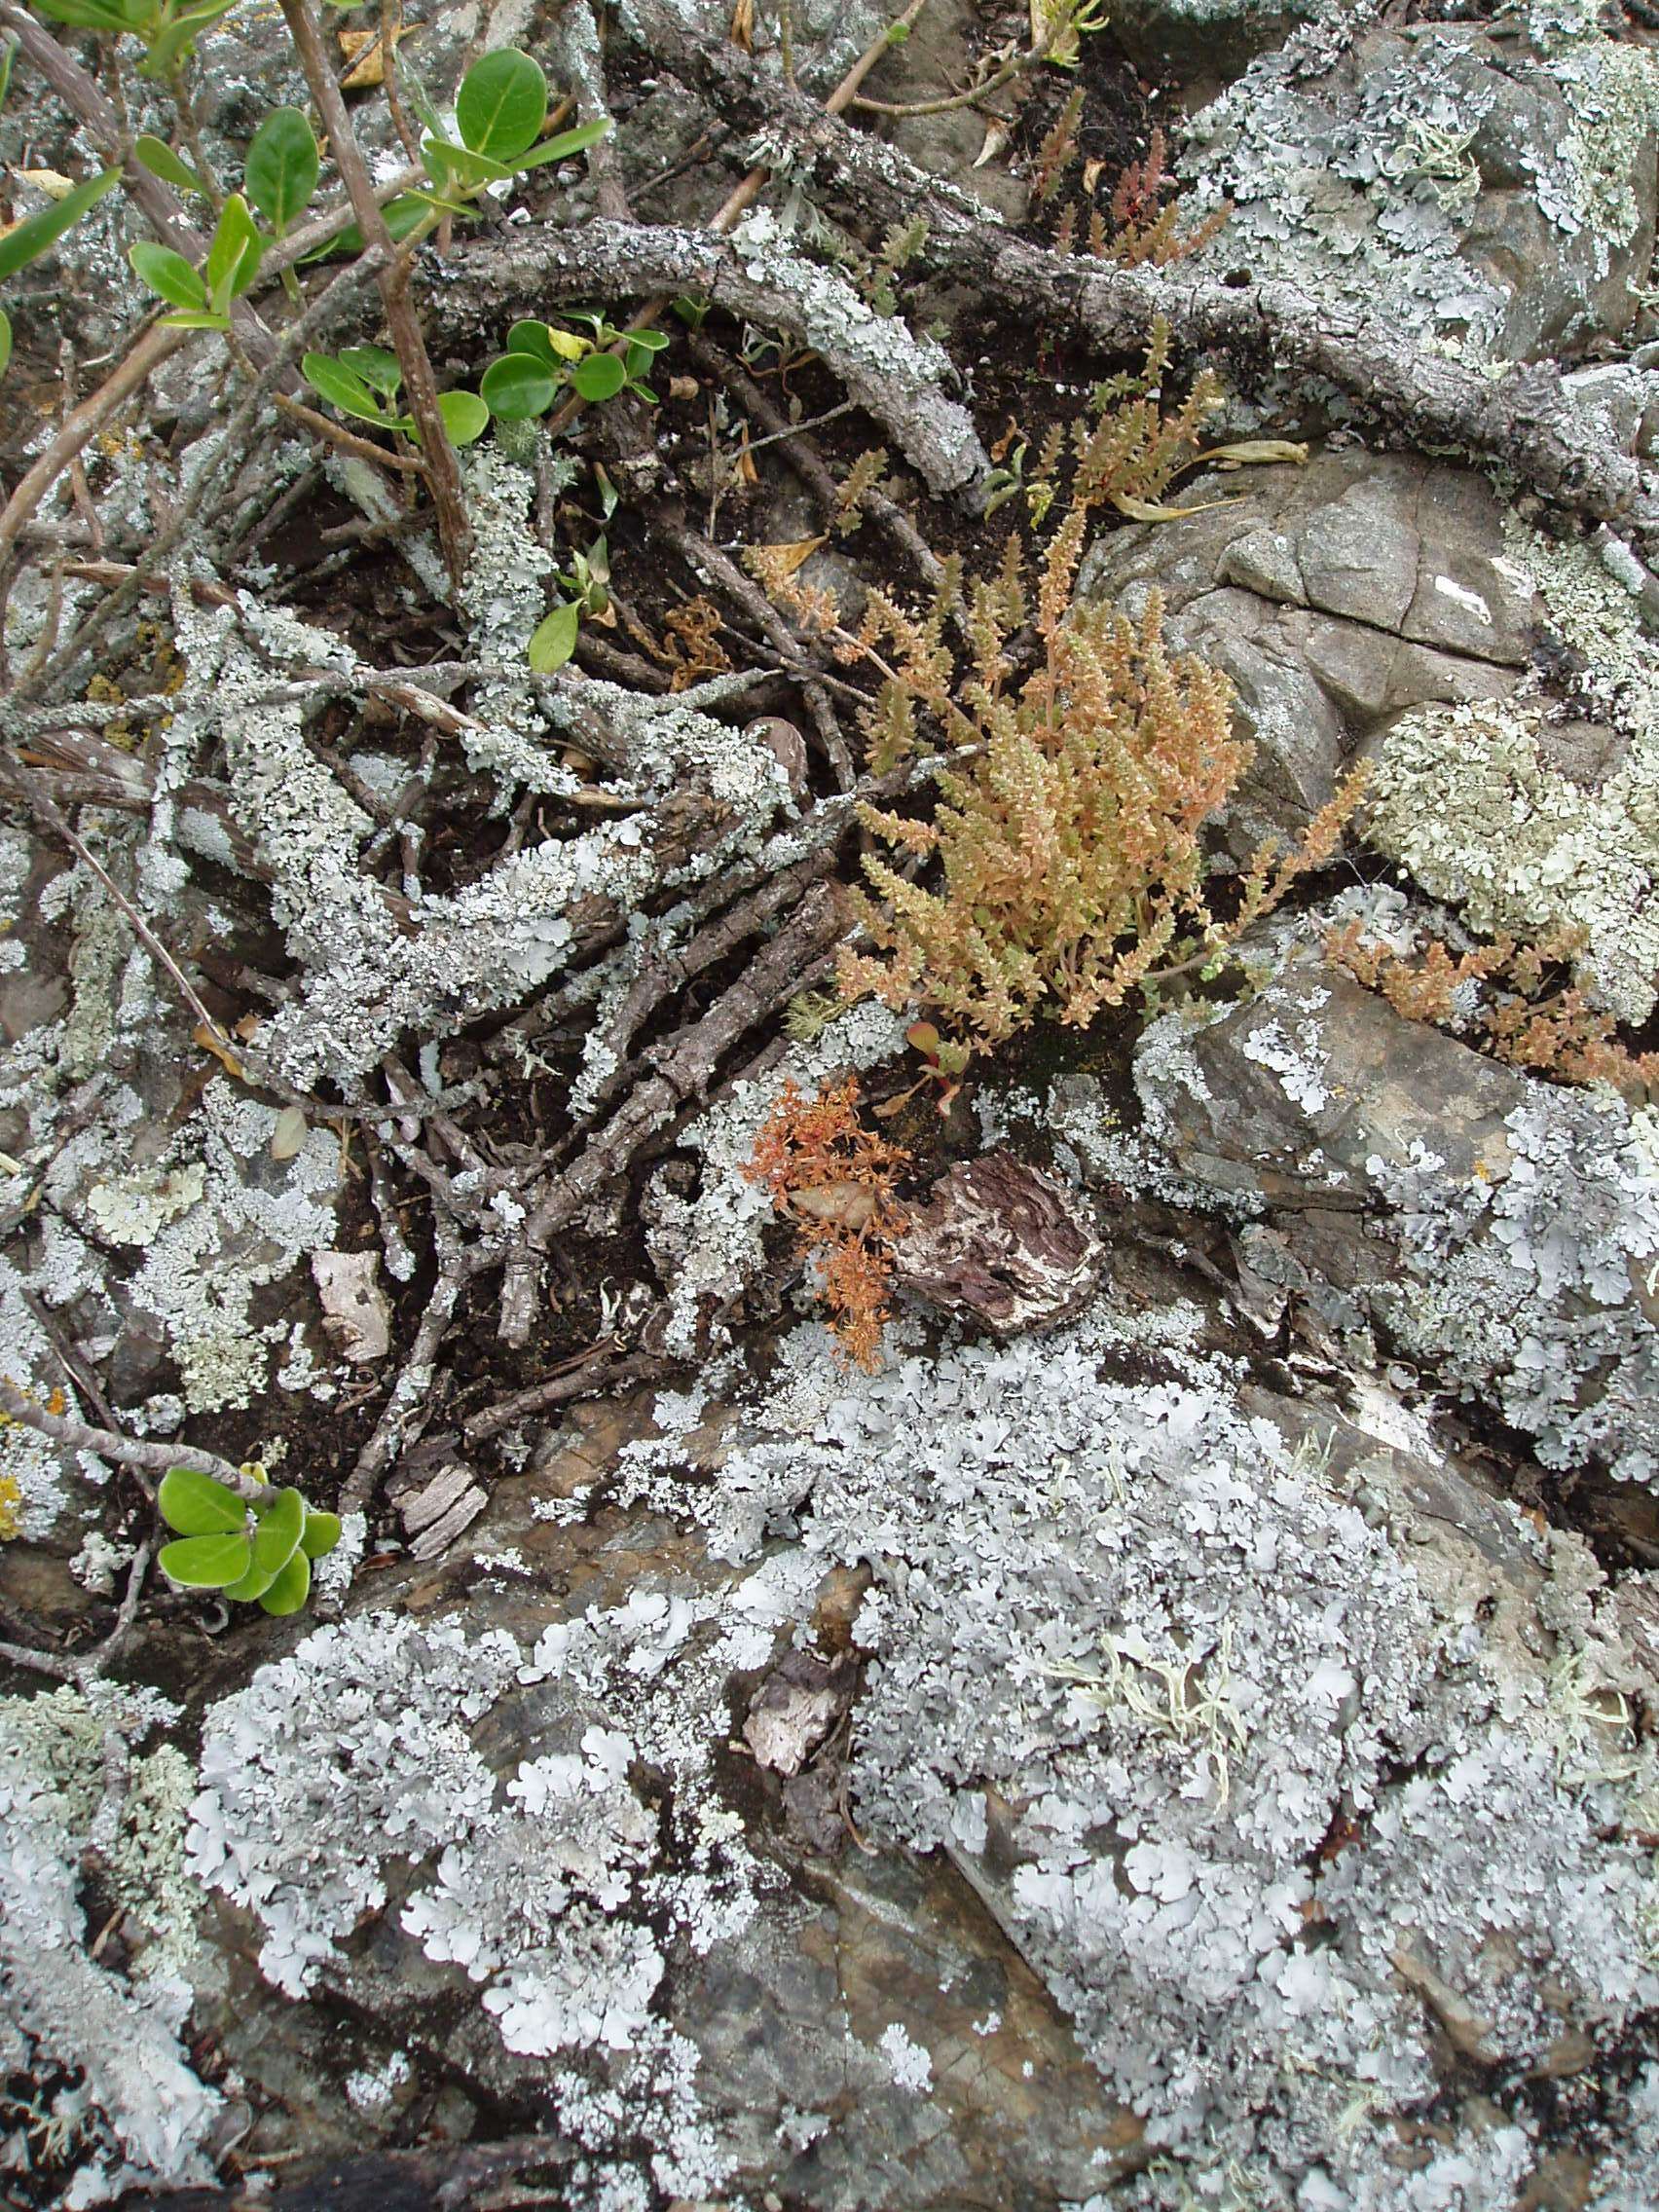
<point>11,1509</point>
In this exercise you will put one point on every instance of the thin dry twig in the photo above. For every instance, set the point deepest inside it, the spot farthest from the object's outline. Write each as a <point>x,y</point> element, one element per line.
<point>128,1450</point>
<point>442,470</point>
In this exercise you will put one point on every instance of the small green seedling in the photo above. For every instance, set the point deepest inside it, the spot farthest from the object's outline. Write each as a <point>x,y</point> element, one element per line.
<point>364,382</point>
<point>542,362</point>
<point>589,579</point>
<point>262,1552</point>
<point>203,297</point>
<point>280,176</point>
<point>554,638</point>
<point>499,112</point>
<point>638,347</point>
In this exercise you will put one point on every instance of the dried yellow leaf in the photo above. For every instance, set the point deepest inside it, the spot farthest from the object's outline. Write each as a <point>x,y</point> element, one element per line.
<point>784,560</point>
<point>212,1041</point>
<point>364,50</point>
<point>48,181</point>
<point>1154,510</point>
<point>289,1136</point>
<point>1258,453</point>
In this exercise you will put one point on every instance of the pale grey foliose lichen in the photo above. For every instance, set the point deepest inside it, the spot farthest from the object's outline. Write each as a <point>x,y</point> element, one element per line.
<point>1476,190</point>
<point>1526,1287</point>
<point>1474,801</point>
<point>1522,1250</point>
<point>548,1884</point>
<point>1132,1665</point>
<point>138,2115</point>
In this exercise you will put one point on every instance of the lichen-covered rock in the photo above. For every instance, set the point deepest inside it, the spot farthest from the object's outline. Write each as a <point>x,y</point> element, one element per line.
<point>129,2105</point>
<point>1531,816</point>
<point>1218,1753</point>
<point>1501,1231</point>
<point>1202,37</point>
<point>1491,192</point>
<point>550,1894</point>
<point>1194,1776</point>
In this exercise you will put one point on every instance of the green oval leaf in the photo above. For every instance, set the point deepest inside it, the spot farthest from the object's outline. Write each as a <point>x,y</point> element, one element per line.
<point>26,241</point>
<point>282,1524</point>
<point>568,143</point>
<point>404,215</point>
<point>457,168</point>
<point>168,274</point>
<point>535,340</point>
<point>234,257</point>
<point>197,1505</point>
<point>321,1533</point>
<point>159,158</point>
<point>290,1589</point>
<point>600,377</point>
<point>465,416</point>
<point>502,104</point>
<point>206,1562</point>
<point>554,638</point>
<point>518,387</point>
<point>253,1584</point>
<point>4,340</point>
<point>379,368</point>
<point>282,166</point>
<point>342,388</point>
<point>87,15</point>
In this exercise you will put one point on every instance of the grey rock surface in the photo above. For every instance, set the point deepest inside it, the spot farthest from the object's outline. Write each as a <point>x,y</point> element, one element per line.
<point>1201,38</point>
<point>1335,596</point>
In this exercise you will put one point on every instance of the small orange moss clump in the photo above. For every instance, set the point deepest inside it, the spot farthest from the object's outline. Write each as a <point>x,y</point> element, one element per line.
<point>834,1180</point>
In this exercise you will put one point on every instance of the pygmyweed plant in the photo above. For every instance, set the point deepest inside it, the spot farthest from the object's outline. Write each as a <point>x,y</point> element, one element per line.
<point>261,1552</point>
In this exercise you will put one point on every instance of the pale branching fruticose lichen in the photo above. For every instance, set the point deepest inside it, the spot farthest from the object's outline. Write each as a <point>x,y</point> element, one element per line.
<point>374,966</point>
